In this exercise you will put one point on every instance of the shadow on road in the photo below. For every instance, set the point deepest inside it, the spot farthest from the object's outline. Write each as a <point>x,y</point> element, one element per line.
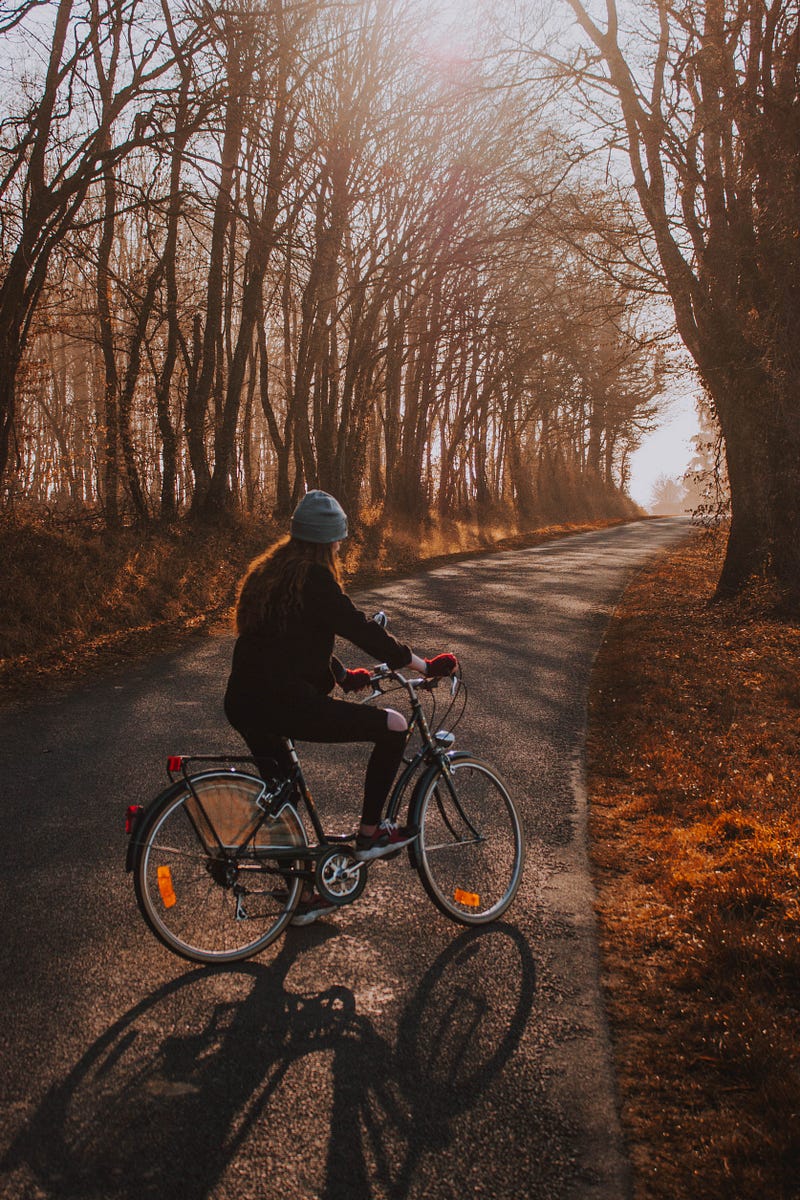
<point>189,1086</point>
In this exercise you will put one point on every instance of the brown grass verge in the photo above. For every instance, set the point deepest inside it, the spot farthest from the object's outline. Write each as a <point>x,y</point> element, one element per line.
<point>75,603</point>
<point>694,744</point>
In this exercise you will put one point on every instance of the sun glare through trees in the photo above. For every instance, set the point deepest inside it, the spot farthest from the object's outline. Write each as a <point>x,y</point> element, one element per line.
<point>270,246</point>
<point>416,255</point>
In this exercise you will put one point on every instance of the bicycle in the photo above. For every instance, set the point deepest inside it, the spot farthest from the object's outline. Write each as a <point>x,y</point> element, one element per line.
<point>220,857</point>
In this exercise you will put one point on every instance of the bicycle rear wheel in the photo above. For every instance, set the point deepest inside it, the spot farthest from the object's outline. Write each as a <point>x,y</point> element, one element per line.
<point>471,851</point>
<point>213,878</point>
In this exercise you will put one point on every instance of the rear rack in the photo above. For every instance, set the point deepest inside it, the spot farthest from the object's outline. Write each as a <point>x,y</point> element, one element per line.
<point>178,763</point>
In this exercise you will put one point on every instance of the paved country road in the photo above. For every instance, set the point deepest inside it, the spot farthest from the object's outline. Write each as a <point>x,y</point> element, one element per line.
<point>381,1053</point>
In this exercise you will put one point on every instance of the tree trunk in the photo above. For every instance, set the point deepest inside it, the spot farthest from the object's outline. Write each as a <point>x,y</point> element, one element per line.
<point>111,379</point>
<point>762,445</point>
<point>197,401</point>
<point>137,492</point>
<point>10,355</point>
<point>168,507</point>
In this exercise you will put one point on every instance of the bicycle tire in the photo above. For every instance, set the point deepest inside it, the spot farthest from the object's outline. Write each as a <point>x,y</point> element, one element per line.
<point>204,879</point>
<point>470,852</point>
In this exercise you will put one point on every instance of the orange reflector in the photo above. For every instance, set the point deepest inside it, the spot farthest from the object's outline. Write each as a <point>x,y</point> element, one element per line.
<point>166,888</point>
<point>468,898</point>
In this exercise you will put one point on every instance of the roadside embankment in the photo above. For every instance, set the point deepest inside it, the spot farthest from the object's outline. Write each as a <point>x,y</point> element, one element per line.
<point>74,599</point>
<point>693,763</point>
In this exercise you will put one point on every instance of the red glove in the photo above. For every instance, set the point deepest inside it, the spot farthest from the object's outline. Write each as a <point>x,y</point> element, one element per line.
<point>355,680</point>
<point>442,664</point>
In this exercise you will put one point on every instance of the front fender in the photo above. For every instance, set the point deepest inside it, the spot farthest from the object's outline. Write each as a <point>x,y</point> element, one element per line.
<point>420,787</point>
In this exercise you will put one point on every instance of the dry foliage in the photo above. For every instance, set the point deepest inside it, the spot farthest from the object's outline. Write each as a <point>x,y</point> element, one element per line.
<point>695,733</point>
<point>74,600</point>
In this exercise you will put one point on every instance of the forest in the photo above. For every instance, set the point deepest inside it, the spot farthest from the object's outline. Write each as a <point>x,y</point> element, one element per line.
<point>437,261</point>
<point>270,245</point>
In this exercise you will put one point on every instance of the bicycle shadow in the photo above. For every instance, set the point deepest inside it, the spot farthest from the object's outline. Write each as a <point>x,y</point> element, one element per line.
<point>188,1085</point>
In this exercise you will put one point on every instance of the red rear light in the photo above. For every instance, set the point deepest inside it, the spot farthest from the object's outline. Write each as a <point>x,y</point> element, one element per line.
<point>132,814</point>
<point>174,762</point>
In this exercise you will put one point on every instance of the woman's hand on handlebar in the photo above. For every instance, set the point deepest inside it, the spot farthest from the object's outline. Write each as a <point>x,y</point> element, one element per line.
<point>437,667</point>
<point>440,666</point>
<point>356,680</point>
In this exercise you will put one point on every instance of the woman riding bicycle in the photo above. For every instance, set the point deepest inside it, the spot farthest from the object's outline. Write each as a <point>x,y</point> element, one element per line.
<point>290,608</point>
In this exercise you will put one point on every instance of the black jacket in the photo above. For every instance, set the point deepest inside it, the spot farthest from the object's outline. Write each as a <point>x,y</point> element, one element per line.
<point>273,658</point>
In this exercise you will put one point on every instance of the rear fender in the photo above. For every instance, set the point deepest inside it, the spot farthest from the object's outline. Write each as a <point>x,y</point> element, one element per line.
<point>145,820</point>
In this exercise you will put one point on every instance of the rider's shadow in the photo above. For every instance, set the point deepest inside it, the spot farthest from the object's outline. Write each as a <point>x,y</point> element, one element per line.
<point>148,1114</point>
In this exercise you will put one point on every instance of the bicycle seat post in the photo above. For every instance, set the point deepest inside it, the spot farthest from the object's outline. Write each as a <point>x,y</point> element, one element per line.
<point>302,788</point>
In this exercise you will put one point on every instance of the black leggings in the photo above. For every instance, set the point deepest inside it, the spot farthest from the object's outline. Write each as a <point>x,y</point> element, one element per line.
<point>308,716</point>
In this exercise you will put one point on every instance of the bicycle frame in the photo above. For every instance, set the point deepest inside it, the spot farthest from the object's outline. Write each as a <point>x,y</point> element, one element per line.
<point>294,786</point>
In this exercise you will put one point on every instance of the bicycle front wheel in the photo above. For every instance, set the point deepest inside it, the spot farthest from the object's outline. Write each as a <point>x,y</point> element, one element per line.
<point>214,878</point>
<point>471,851</point>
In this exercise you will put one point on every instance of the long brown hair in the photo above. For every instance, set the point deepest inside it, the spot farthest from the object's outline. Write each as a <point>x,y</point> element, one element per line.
<point>273,585</point>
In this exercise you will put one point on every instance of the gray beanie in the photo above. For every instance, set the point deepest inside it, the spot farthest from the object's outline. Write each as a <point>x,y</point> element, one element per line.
<point>319,518</point>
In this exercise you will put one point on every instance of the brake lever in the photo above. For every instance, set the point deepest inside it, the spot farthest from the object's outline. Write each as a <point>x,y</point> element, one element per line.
<point>377,690</point>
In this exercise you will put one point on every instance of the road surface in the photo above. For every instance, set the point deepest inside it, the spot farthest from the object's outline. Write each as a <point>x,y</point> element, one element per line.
<point>382,1053</point>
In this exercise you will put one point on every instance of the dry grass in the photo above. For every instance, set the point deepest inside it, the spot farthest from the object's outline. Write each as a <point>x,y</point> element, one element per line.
<point>73,602</point>
<point>694,743</point>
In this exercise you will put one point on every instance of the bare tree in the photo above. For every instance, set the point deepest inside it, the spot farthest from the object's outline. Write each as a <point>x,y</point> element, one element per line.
<point>707,95</point>
<point>317,258</point>
<point>51,155</point>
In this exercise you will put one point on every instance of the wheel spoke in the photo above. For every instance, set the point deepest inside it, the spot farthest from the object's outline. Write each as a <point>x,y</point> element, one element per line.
<point>458,842</point>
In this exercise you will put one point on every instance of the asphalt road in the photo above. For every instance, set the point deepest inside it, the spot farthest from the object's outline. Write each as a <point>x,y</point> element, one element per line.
<point>381,1053</point>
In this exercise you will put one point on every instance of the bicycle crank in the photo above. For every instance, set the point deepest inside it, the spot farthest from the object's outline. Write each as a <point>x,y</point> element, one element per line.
<point>339,876</point>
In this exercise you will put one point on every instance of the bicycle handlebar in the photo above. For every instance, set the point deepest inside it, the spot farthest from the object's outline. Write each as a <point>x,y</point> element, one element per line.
<point>426,682</point>
<point>383,671</point>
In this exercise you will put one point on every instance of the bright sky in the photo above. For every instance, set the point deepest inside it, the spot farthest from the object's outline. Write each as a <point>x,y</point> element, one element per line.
<point>666,451</point>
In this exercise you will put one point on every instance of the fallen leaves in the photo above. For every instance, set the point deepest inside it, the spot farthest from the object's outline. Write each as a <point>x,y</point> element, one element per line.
<point>694,749</point>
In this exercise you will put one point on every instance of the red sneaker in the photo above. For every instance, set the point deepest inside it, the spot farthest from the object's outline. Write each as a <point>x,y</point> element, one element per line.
<point>387,838</point>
